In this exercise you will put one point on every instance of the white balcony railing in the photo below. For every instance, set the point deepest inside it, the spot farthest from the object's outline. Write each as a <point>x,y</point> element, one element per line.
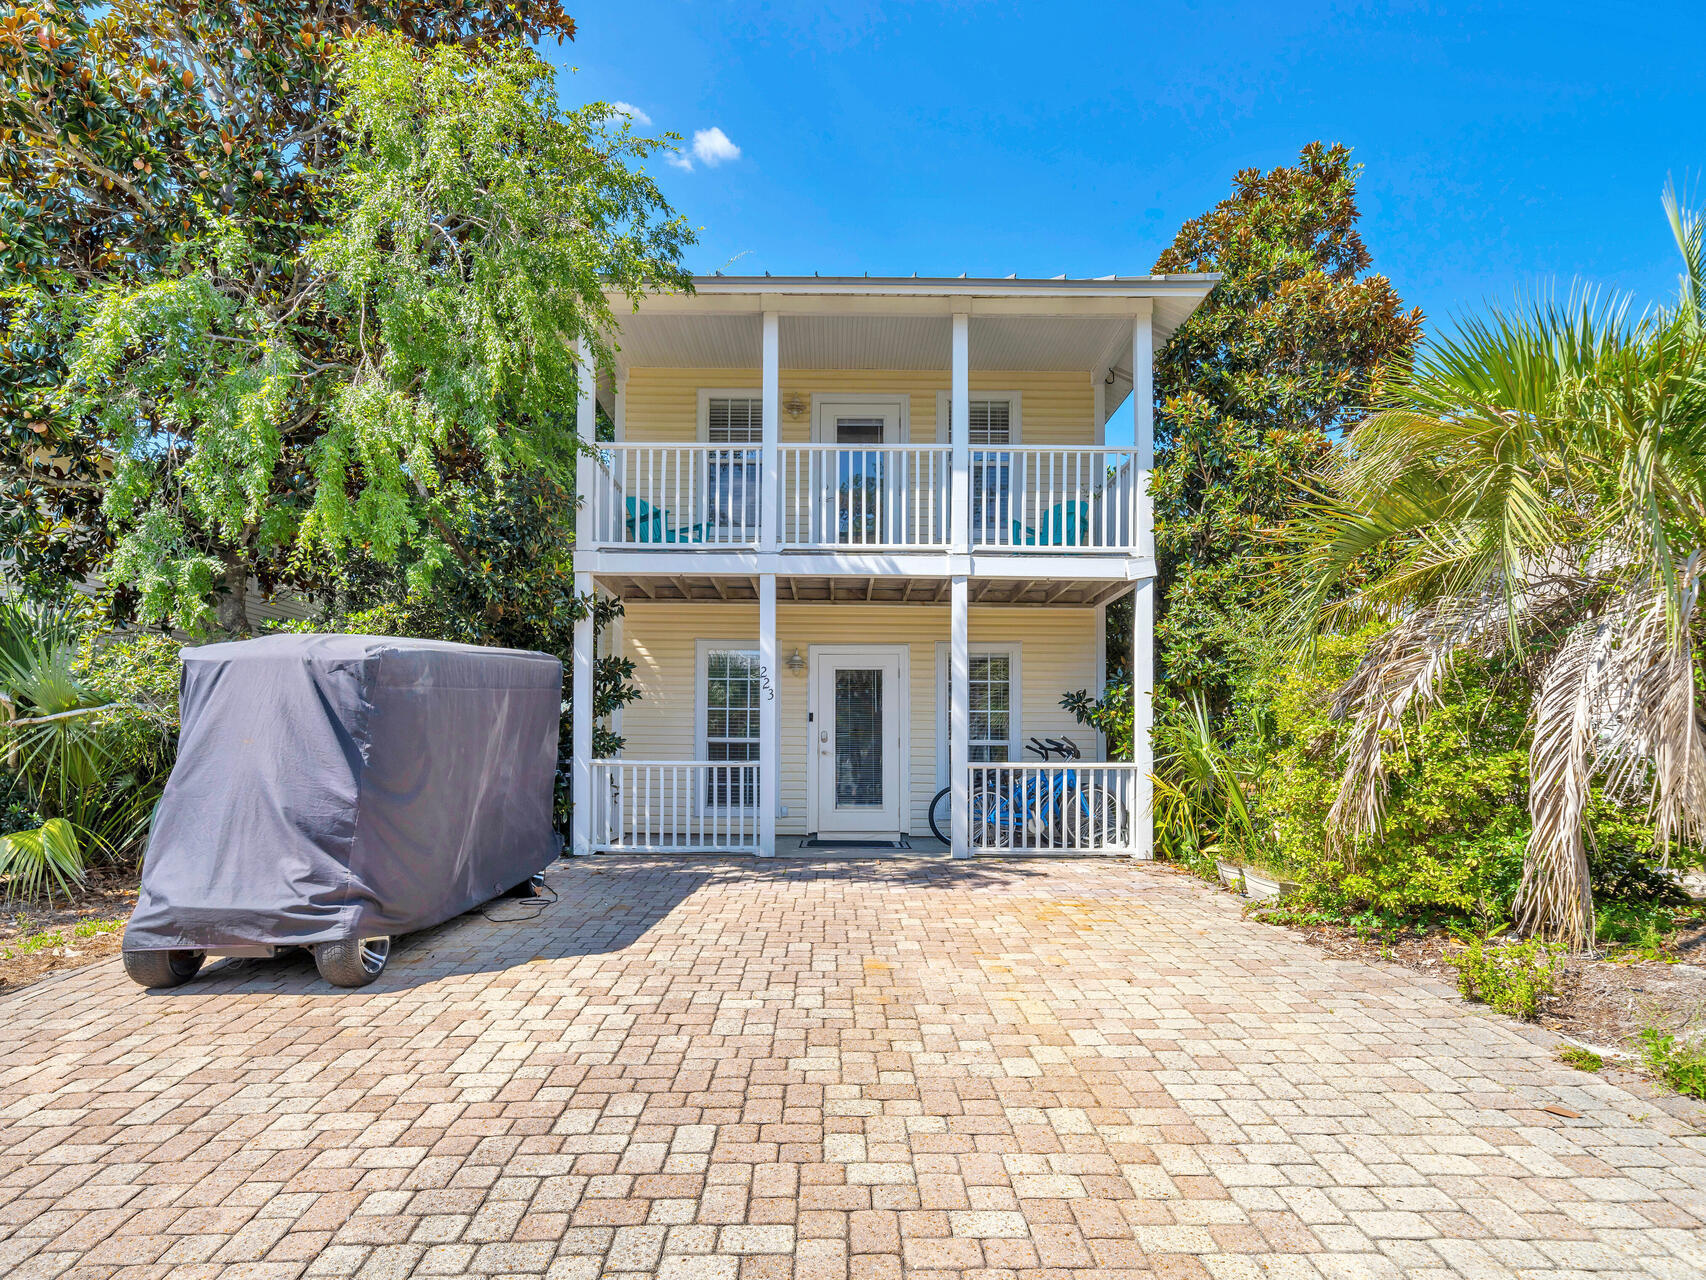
<point>1022,498</point>
<point>675,496</point>
<point>875,497</point>
<point>1042,498</point>
<point>674,806</point>
<point>1056,808</point>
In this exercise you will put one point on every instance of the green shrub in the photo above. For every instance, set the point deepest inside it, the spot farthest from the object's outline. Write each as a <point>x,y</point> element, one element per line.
<point>138,670</point>
<point>1513,978</point>
<point>1623,861</point>
<point>1681,1065</point>
<point>1456,817</point>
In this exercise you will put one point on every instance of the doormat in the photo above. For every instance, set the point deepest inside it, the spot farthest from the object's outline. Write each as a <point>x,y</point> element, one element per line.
<point>812,842</point>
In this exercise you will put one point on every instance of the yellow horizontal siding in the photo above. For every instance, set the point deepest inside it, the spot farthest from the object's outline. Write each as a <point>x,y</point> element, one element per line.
<point>662,405</point>
<point>1058,649</point>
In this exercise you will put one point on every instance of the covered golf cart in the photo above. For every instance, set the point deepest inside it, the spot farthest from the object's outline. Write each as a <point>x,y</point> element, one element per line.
<point>335,791</point>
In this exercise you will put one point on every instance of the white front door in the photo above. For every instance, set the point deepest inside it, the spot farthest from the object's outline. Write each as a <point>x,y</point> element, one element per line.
<point>858,722</point>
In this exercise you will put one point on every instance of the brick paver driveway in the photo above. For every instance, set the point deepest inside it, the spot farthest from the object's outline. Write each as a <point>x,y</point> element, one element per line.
<point>725,1068</point>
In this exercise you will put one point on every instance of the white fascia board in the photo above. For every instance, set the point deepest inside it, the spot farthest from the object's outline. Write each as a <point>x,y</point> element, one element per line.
<point>700,563</point>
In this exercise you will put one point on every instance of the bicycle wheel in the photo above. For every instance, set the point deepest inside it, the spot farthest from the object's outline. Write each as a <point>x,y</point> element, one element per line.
<point>1092,818</point>
<point>985,816</point>
<point>941,815</point>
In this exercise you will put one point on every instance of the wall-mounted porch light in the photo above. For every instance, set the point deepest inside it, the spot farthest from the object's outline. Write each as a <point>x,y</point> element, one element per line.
<point>795,662</point>
<point>795,407</point>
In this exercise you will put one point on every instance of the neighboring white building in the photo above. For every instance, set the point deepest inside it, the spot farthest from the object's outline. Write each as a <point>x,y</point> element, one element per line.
<point>864,531</point>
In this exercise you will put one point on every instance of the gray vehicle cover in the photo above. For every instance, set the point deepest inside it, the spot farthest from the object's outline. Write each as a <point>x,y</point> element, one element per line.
<point>336,786</point>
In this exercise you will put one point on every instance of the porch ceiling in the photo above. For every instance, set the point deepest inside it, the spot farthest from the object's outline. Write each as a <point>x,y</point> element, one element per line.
<point>798,589</point>
<point>855,342</point>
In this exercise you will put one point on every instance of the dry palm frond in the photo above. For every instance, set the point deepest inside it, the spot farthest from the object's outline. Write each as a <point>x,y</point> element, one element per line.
<point>1554,897</point>
<point>1653,734</point>
<point>1401,673</point>
<point>1401,670</point>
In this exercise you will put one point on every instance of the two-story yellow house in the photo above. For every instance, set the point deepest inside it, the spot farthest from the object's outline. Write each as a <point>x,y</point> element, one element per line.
<point>865,531</point>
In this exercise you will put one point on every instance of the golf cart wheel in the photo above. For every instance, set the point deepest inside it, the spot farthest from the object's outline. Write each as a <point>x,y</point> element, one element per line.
<point>162,968</point>
<point>353,962</point>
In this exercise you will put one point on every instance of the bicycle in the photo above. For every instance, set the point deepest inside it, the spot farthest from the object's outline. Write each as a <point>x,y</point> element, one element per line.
<point>1062,811</point>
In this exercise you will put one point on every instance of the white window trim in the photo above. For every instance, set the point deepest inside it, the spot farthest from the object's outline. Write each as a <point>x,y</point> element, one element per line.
<point>1015,696</point>
<point>702,651</point>
<point>885,400</point>
<point>1015,414</point>
<point>707,394</point>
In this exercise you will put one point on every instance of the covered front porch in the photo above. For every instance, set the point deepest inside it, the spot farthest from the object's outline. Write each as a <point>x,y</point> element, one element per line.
<point>858,692</point>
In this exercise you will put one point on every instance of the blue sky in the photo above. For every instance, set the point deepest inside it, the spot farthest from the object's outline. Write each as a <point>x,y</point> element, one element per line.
<point>1505,146</point>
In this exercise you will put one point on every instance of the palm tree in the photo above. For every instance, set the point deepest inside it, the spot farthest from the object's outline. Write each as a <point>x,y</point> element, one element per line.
<point>1537,483</point>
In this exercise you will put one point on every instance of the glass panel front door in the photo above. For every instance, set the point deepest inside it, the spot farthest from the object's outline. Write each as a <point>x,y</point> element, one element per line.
<point>859,708</point>
<point>858,738</point>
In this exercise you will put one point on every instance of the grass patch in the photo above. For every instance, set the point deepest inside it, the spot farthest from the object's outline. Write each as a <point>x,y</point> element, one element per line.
<point>1679,1064</point>
<point>1579,1058</point>
<point>1515,978</point>
<point>51,939</point>
<point>1632,931</point>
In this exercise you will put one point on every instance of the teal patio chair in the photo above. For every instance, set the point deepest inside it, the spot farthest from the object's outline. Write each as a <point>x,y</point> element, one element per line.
<point>1066,525</point>
<point>647,523</point>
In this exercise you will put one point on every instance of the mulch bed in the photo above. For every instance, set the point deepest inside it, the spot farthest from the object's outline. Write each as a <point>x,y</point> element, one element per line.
<point>27,951</point>
<point>1601,1000</point>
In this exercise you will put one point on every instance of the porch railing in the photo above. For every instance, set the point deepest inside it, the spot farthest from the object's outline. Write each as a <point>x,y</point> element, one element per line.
<point>1056,808</point>
<point>877,497</point>
<point>1041,498</point>
<point>1023,498</point>
<point>675,495</point>
<point>674,806</point>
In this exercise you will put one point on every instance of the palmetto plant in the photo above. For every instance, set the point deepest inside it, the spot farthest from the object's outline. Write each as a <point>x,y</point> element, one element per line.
<point>1537,483</point>
<point>52,740</point>
<point>1202,790</point>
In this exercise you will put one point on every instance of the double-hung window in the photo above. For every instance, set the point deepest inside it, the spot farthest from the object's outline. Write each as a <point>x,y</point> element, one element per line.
<point>991,706</point>
<point>734,427</point>
<point>730,688</point>
<point>994,694</point>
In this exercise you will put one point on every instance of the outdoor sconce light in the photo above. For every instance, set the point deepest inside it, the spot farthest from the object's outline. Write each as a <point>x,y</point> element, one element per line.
<point>796,663</point>
<point>796,407</point>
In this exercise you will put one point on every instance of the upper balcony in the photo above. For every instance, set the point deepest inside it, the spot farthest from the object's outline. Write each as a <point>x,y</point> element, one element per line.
<point>1019,499</point>
<point>932,428</point>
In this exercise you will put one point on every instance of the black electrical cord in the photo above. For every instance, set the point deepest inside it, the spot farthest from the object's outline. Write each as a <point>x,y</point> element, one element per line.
<point>530,908</point>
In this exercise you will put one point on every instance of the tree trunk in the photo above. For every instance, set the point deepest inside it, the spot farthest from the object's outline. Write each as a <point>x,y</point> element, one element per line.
<point>233,603</point>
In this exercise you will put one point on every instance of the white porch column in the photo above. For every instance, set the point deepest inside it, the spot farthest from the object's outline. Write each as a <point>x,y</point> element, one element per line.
<point>959,719</point>
<point>769,468</point>
<point>1143,599</point>
<point>959,438</point>
<point>586,428</point>
<point>580,831</point>
<point>769,716</point>
<point>586,398</point>
<point>620,415</point>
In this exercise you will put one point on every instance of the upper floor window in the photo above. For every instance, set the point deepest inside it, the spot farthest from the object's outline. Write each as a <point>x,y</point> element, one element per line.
<point>991,424</point>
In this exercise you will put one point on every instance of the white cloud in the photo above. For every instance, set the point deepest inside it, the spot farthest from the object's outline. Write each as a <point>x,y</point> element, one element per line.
<point>711,147</point>
<point>632,112</point>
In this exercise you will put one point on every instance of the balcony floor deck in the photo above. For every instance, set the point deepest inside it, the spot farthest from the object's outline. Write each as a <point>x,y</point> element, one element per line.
<point>876,589</point>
